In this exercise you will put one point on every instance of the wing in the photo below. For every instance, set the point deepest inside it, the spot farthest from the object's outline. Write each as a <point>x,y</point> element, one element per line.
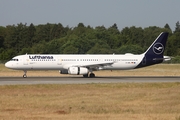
<point>96,66</point>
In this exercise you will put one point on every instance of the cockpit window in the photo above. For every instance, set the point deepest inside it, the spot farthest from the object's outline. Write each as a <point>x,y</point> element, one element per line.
<point>14,59</point>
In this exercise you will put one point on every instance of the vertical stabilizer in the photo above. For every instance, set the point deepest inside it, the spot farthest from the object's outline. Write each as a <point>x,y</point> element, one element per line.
<point>154,54</point>
<point>157,48</point>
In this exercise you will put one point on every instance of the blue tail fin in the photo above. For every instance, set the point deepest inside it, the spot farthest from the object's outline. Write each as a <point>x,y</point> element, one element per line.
<point>157,48</point>
<point>154,54</point>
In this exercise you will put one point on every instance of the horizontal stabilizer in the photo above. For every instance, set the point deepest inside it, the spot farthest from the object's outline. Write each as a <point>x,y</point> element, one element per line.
<point>165,58</point>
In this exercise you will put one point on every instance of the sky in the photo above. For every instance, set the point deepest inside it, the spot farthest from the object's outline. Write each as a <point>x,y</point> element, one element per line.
<point>125,13</point>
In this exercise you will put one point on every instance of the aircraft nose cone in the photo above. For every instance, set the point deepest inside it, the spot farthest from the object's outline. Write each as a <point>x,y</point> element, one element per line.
<point>8,65</point>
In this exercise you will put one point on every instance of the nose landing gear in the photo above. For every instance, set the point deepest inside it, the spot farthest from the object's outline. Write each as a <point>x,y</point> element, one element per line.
<point>25,76</point>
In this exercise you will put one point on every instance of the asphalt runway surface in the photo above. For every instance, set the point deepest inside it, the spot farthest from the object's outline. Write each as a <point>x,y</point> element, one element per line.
<point>81,80</point>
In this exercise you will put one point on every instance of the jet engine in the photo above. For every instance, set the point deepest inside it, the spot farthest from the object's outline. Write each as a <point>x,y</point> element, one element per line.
<point>75,71</point>
<point>78,71</point>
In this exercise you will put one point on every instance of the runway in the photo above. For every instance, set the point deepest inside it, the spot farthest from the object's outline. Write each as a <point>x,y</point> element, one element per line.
<point>81,80</point>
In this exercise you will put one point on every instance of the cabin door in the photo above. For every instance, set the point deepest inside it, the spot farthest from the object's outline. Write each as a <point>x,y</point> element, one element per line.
<point>59,62</point>
<point>25,60</point>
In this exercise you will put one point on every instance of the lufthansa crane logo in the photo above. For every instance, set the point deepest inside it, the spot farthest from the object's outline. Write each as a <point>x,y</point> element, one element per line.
<point>158,48</point>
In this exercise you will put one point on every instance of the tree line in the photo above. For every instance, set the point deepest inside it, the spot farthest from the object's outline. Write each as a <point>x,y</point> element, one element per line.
<point>57,39</point>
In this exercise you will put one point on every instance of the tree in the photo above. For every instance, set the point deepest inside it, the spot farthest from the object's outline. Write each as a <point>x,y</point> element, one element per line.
<point>43,32</point>
<point>58,31</point>
<point>167,27</point>
<point>2,36</point>
<point>80,30</point>
<point>31,35</point>
<point>10,41</point>
<point>133,35</point>
<point>7,55</point>
<point>70,50</point>
<point>53,46</point>
<point>100,48</point>
<point>177,28</point>
<point>134,49</point>
<point>101,33</point>
<point>21,37</point>
<point>113,40</point>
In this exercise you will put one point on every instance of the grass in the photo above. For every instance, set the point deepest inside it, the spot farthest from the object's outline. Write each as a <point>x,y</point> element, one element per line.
<point>156,70</point>
<point>122,101</point>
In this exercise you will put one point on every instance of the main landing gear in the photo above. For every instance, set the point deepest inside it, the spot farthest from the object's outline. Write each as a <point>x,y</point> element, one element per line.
<point>25,76</point>
<point>91,75</point>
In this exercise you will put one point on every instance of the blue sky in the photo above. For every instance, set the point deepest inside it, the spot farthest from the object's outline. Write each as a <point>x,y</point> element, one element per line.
<point>125,13</point>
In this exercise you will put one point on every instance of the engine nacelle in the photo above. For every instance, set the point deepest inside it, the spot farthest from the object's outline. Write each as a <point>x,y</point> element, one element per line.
<point>78,71</point>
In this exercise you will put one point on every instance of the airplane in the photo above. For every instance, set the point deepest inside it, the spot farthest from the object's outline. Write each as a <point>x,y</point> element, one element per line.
<point>85,64</point>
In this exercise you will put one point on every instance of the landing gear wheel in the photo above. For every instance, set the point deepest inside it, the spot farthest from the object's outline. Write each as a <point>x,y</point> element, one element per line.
<point>85,76</point>
<point>92,75</point>
<point>25,76</point>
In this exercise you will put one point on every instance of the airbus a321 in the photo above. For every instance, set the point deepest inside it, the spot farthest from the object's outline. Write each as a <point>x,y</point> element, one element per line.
<point>78,64</point>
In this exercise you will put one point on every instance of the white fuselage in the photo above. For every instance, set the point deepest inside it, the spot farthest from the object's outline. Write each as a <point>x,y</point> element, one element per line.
<point>60,62</point>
